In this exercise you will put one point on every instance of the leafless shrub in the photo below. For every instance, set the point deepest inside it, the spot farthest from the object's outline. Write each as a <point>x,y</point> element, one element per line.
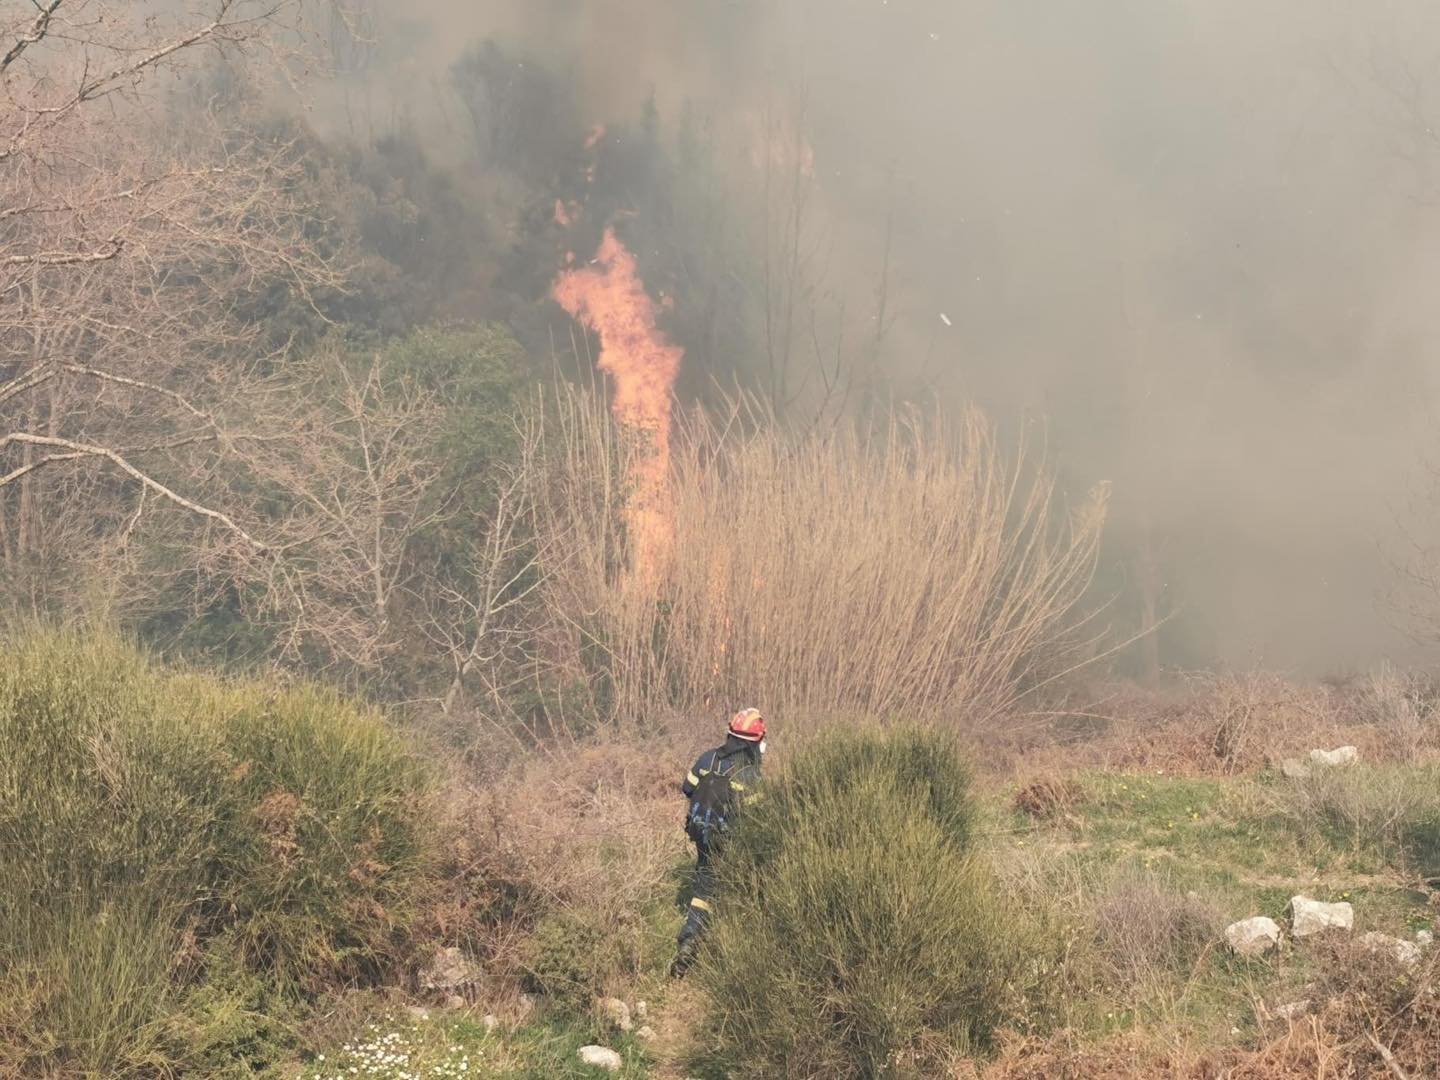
<point>591,830</point>
<point>1375,1019</point>
<point>1249,716</point>
<point>1237,704</point>
<point>1147,927</point>
<point>1403,706</point>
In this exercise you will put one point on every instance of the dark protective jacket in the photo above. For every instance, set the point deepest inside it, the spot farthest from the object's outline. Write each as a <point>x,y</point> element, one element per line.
<point>738,759</point>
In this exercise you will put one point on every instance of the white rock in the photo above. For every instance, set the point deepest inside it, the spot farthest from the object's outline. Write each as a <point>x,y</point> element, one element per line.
<point>1309,917</point>
<point>646,1034</point>
<point>454,1001</point>
<point>1254,936</point>
<point>1424,938</point>
<point>602,1057</point>
<point>1341,755</point>
<point>1404,952</point>
<point>615,1011</point>
<point>642,1011</point>
<point>1292,1009</point>
<point>1294,769</point>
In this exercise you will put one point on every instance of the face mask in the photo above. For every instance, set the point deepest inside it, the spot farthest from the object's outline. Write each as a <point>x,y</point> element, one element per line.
<point>762,746</point>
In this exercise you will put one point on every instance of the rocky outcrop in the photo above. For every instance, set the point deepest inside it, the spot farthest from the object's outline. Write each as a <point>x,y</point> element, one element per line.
<point>1341,755</point>
<point>615,1012</point>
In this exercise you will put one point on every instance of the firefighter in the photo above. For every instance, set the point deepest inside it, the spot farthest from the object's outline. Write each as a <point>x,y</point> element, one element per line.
<point>721,781</point>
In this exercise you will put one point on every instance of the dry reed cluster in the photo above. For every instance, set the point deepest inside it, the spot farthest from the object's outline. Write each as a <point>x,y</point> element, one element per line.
<point>908,569</point>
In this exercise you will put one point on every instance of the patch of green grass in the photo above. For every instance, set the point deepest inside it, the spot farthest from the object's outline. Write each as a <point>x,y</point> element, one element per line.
<point>1243,845</point>
<point>1387,814</point>
<point>1257,834</point>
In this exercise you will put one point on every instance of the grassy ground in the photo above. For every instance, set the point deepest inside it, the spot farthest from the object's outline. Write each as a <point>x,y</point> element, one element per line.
<point>1139,871</point>
<point>1138,863</point>
<point>253,878</point>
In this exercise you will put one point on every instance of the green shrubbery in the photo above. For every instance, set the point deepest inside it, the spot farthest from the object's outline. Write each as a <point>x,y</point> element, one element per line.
<point>165,834</point>
<point>859,934</point>
<point>567,959</point>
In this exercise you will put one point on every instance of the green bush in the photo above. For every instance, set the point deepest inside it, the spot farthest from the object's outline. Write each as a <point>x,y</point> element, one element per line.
<point>573,955</point>
<point>158,830</point>
<point>858,934</point>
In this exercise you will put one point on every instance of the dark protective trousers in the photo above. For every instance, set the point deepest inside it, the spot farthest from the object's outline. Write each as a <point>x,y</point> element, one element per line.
<point>701,894</point>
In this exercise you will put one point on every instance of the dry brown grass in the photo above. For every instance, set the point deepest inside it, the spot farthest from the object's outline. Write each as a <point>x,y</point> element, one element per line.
<point>1047,797</point>
<point>1148,930</point>
<point>1222,724</point>
<point>584,833</point>
<point>911,571</point>
<point>1373,1020</point>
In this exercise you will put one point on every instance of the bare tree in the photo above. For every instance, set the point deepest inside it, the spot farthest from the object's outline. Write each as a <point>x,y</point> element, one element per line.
<point>480,625</point>
<point>344,482</point>
<point>133,229</point>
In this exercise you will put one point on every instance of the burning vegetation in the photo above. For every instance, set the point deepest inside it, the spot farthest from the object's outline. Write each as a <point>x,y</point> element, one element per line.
<point>609,298</point>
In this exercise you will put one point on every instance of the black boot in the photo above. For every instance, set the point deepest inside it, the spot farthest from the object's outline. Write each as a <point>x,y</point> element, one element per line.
<point>684,957</point>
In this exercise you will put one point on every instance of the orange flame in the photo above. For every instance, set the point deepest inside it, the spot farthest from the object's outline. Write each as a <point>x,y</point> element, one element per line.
<point>609,298</point>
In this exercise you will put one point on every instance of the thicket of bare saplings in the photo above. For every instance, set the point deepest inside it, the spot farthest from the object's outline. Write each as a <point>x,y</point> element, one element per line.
<point>134,232</point>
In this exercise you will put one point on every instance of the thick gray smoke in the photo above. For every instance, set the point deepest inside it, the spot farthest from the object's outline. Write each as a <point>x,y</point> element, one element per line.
<point>1195,236</point>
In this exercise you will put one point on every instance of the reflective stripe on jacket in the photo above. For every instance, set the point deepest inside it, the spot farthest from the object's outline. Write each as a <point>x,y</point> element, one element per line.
<point>737,759</point>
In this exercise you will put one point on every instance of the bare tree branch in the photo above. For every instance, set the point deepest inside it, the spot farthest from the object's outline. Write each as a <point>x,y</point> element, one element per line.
<point>139,384</point>
<point>132,239</point>
<point>63,258</point>
<point>20,385</point>
<point>36,33</point>
<point>81,450</point>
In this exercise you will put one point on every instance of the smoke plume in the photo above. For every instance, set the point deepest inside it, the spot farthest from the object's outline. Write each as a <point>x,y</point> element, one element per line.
<point>1194,240</point>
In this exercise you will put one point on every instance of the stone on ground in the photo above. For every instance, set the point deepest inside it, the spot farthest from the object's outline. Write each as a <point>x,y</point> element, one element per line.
<point>646,1034</point>
<point>451,970</point>
<point>601,1057</point>
<point>1308,917</point>
<point>1254,936</point>
<point>1341,755</point>
<point>1291,1010</point>
<point>615,1011</point>
<point>1403,952</point>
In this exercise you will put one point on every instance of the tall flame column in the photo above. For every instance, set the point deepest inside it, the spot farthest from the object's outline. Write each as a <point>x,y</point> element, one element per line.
<point>608,297</point>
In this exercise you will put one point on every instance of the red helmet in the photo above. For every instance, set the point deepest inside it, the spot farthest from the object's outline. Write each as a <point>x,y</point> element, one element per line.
<point>748,724</point>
